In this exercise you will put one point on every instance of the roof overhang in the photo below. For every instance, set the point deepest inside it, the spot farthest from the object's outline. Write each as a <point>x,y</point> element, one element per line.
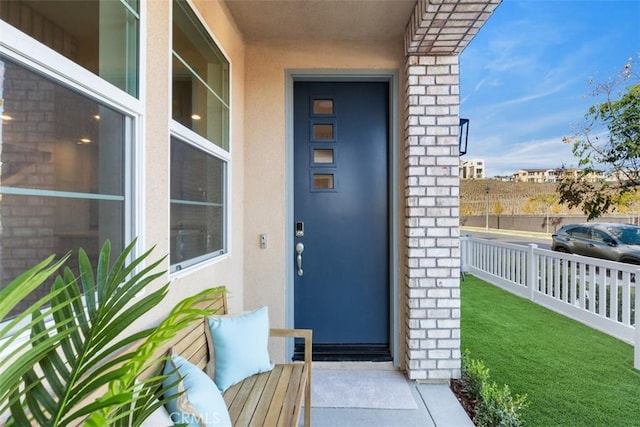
<point>427,27</point>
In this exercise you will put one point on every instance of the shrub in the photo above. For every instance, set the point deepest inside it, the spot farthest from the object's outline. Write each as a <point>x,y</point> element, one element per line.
<point>498,408</point>
<point>474,375</point>
<point>495,406</point>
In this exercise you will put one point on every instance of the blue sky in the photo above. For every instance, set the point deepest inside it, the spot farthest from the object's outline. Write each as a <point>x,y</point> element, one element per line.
<point>524,78</point>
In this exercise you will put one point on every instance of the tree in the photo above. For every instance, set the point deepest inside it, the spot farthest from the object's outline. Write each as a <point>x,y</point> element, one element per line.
<point>466,209</point>
<point>628,203</point>
<point>498,208</point>
<point>529,207</point>
<point>609,140</point>
<point>546,200</point>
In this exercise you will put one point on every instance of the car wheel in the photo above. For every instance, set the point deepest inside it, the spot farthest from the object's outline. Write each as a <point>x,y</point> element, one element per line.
<point>562,249</point>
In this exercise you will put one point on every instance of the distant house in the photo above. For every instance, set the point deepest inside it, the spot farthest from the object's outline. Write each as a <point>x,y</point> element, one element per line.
<point>623,175</point>
<point>554,175</point>
<point>595,176</point>
<point>472,169</point>
<point>535,175</point>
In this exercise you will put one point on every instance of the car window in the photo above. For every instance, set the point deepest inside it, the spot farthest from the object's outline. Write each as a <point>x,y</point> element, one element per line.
<point>600,236</point>
<point>627,235</point>
<point>570,230</point>
<point>581,232</point>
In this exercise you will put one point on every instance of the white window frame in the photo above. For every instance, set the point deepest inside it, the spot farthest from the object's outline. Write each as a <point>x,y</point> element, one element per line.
<point>188,136</point>
<point>28,52</point>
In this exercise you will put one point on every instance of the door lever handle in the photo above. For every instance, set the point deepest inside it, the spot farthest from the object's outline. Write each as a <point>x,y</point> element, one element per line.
<point>299,250</point>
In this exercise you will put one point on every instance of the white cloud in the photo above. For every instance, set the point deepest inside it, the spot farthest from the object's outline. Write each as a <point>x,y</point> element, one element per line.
<point>535,154</point>
<point>535,95</point>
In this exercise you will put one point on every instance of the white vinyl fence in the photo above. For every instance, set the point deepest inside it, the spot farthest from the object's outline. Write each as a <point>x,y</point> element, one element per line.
<point>599,293</point>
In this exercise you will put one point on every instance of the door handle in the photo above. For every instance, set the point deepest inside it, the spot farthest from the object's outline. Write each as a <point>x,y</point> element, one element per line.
<point>299,250</point>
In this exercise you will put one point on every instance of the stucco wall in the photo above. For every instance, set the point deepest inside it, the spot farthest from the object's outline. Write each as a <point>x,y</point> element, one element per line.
<point>228,270</point>
<point>265,204</point>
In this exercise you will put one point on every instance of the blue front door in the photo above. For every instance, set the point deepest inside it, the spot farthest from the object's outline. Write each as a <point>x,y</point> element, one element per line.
<point>341,214</point>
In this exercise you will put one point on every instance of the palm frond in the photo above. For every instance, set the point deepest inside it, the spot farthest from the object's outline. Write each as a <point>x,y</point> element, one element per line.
<point>23,285</point>
<point>183,314</point>
<point>25,341</point>
<point>77,348</point>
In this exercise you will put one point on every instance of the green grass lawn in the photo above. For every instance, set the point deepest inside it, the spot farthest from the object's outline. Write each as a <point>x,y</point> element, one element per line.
<point>573,375</point>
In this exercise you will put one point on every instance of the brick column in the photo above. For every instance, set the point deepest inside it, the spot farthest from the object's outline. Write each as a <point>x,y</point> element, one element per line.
<point>432,272</point>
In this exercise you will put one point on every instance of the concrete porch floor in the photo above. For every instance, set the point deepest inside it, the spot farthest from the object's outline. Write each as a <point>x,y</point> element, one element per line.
<point>436,407</point>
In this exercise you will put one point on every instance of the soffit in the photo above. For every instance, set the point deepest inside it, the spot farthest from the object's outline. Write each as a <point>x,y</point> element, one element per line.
<point>428,27</point>
<point>322,20</point>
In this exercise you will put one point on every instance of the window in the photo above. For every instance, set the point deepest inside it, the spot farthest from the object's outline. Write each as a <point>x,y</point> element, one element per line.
<point>199,142</point>
<point>200,79</point>
<point>62,171</point>
<point>65,148</point>
<point>599,236</point>
<point>580,232</point>
<point>101,36</point>
<point>197,203</point>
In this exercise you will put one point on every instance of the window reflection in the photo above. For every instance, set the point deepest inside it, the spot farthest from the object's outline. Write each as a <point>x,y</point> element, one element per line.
<point>197,203</point>
<point>104,41</point>
<point>200,76</point>
<point>323,132</point>
<point>322,106</point>
<point>323,156</point>
<point>323,181</point>
<point>61,172</point>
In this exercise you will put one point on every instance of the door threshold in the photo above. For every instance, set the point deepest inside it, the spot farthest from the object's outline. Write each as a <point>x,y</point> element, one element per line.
<point>355,366</point>
<point>345,353</point>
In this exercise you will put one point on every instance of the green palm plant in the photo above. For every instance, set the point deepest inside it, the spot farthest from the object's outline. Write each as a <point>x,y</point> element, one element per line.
<point>70,346</point>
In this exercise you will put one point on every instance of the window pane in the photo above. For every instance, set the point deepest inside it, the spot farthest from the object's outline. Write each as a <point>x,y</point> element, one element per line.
<point>323,181</point>
<point>322,106</point>
<point>323,132</point>
<point>196,108</point>
<point>197,204</point>
<point>200,78</point>
<point>323,156</point>
<point>101,36</point>
<point>61,171</point>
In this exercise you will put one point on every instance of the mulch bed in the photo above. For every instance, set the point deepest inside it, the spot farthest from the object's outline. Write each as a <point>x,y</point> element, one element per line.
<point>459,390</point>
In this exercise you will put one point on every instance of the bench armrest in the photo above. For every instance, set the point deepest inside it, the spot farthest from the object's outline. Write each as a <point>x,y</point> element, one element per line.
<point>307,335</point>
<point>296,333</point>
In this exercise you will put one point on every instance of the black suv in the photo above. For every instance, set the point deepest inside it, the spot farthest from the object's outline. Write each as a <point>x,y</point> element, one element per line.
<point>612,241</point>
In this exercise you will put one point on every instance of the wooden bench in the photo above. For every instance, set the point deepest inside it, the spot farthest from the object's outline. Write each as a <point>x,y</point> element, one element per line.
<point>269,399</point>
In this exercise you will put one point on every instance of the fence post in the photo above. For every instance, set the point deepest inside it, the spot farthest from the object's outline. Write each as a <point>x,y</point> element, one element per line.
<point>465,241</point>
<point>532,271</point>
<point>636,325</point>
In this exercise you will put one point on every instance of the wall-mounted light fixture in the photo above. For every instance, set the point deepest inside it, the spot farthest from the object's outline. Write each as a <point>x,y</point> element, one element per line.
<point>463,136</point>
